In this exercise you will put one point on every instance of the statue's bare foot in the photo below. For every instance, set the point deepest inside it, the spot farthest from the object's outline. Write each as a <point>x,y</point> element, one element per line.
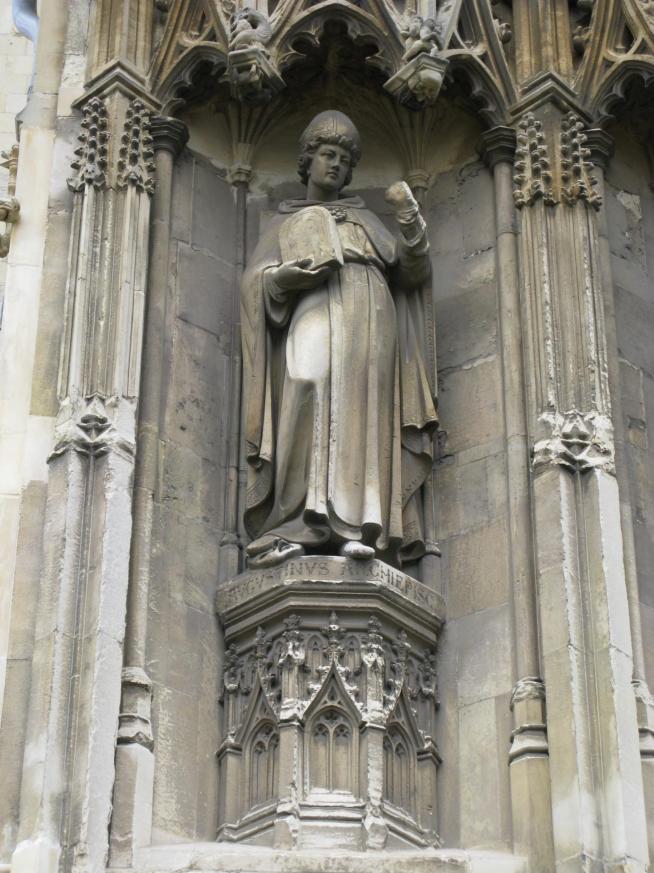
<point>358,551</point>
<point>275,551</point>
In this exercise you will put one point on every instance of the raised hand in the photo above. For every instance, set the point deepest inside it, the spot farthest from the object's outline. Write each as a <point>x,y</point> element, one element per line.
<point>401,199</point>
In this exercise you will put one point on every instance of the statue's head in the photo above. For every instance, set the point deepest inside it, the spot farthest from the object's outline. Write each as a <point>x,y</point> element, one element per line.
<point>331,128</point>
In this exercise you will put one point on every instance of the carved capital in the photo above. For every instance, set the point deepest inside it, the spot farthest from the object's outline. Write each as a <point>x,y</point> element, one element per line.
<point>94,426</point>
<point>578,441</point>
<point>168,134</point>
<point>497,146</point>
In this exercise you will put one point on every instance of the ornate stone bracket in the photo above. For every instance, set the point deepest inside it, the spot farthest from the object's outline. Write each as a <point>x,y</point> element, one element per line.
<point>94,426</point>
<point>252,75</point>
<point>9,205</point>
<point>333,697</point>
<point>419,82</point>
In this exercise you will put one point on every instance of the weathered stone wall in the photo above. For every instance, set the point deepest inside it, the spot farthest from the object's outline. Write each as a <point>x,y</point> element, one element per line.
<point>30,335</point>
<point>475,668</point>
<point>184,648</point>
<point>630,214</point>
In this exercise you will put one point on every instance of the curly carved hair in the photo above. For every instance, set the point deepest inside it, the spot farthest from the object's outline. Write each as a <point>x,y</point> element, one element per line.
<point>310,148</point>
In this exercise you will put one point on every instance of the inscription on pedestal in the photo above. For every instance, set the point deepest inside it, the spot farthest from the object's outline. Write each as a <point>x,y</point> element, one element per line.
<point>307,570</point>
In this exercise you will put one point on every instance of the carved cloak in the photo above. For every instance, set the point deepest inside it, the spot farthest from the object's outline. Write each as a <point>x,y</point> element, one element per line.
<point>376,262</point>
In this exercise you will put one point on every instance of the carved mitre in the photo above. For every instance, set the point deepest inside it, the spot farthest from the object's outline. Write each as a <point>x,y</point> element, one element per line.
<point>332,126</point>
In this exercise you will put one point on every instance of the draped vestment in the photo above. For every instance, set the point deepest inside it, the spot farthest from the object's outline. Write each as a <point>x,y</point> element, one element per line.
<point>339,409</point>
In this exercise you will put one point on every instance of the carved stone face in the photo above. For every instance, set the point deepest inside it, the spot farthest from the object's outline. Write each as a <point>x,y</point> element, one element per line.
<point>329,167</point>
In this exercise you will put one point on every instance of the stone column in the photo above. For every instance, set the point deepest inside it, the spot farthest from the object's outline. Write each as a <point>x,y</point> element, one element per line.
<point>68,769</point>
<point>601,146</point>
<point>131,822</point>
<point>528,754</point>
<point>230,545</point>
<point>596,780</point>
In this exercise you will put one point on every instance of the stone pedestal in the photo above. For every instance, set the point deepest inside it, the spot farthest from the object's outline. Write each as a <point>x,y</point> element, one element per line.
<point>329,704</point>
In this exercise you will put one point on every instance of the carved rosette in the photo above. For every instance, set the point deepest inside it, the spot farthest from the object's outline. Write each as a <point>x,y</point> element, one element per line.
<point>329,707</point>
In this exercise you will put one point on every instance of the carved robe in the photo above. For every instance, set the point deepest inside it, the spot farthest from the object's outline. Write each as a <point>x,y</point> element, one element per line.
<point>339,409</point>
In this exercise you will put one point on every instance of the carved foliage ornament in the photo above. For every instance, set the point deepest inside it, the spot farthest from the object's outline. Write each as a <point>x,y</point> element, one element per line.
<point>90,162</point>
<point>578,441</point>
<point>134,154</point>
<point>357,657</point>
<point>564,176</point>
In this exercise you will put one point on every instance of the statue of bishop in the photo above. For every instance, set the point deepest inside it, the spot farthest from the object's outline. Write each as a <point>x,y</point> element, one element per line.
<point>340,412</point>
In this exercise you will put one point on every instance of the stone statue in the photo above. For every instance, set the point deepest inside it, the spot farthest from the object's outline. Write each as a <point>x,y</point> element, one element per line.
<point>420,36</point>
<point>339,409</point>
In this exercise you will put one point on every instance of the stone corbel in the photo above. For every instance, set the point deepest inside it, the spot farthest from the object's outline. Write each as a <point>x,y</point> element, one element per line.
<point>9,205</point>
<point>419,82</point>
<point>252,75</point>
<point>94,426</point>
<point>578,441</point>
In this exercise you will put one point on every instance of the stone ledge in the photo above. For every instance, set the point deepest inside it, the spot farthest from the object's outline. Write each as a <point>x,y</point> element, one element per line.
<point>223,858</point>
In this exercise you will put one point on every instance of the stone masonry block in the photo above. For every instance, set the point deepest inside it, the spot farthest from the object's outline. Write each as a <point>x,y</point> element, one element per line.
<point>205,293</point>
<point>635,327</point>
<point>198,395</point>
<point>484,647</point>
<point>466,327</point>
<point>480,810</point>
<point>182,197</point>
<point>478,576</point>
<point>213,226</point>
<point>470,406</point>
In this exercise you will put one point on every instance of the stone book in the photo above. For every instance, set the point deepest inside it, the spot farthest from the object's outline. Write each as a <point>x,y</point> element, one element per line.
<point>311,233</point>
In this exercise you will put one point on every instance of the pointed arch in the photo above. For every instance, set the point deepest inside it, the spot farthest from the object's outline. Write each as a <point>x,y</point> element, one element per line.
<point>361,26</point>
<point>611,91</point>
<point>332,740</point>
